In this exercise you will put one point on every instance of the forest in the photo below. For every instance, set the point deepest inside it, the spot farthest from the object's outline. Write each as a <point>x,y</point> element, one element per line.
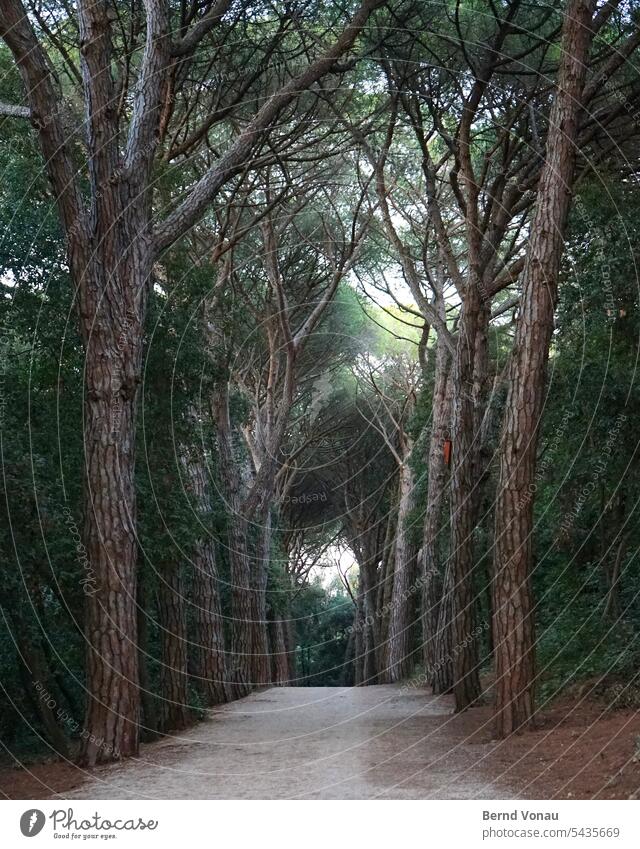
<point>319,343</point>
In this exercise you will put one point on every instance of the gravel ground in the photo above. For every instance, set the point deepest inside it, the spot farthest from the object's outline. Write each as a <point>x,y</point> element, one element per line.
<point>308,743</point>
<point>363,743</point>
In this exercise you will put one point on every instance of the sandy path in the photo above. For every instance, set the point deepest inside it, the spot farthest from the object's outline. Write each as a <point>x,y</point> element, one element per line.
<point>318,743</point>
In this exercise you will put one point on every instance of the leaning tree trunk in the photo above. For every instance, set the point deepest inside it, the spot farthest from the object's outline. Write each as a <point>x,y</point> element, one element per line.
<point>437,475</point>
<point>514,640</point>
<point>403,598</point>
<point>174,670</point>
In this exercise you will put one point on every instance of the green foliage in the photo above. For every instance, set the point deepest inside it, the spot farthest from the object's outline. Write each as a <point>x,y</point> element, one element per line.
<point>324,617</point>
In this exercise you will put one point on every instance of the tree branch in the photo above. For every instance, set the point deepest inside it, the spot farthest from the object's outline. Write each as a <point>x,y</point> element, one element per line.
<point>235,159</point>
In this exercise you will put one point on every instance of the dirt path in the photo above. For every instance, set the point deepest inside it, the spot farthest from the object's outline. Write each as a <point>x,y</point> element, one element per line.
<point>310,743</point>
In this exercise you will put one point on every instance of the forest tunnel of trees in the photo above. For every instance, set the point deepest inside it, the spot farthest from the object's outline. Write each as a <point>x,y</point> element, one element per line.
<point>319,329</point>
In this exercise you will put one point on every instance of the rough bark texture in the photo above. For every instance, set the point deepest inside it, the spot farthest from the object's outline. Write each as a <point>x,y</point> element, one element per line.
<point>514,640</point>
<point>209,665</point>
<point>279,660</point>
<point>463,497</point>
<point>240,673</point>
<point>111,248</point>
<point>403,598</point>
<point>443,671</point>
<point>260,654</point>
<point>368,574</point>
<point>209,661</point>
<point>174,670</point>
<point>431,567</point>
<point>150,720</point>
<point>384,592</point>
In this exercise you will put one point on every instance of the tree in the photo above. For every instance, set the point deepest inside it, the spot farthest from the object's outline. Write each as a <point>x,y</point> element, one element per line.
<point>513,604</point>
<point>113,241</point>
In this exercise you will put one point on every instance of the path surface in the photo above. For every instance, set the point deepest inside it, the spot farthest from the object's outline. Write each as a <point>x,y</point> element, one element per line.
<point>309,743</point>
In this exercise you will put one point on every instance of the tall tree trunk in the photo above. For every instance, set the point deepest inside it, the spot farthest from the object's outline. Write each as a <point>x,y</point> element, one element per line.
<point>174,671</point>
<point>150,722</point>
<point>260,654</point>
<point>431,569</point>
<point>368,571</point>
<point>348,672</point>
<point>279,662</point>
<point>466,686</point>
<point>359,640</point>
<point>113,343</point>
<point>209,664</point>
<point>240,671</point>
<point>514,640</point>
<point>290,641</point>
<point>210,659</point>
<point>403,599</point>
<point>443,671</point>
<point>385,591</point>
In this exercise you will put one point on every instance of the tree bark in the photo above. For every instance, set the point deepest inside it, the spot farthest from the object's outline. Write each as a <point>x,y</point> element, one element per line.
<point>443,671</point>
<point>112,369</point>
<point>111,249</point>
<point>385,591</point>
<point>210,659</point>
<point>150,721</point>
<point>260,654</point>
<point>368,572</point>
<point>431,568</point>
<point>466,686</point>
<point>174,671</point>
<point>209,665</point>
<point>514,639</point>
<point>279,662</point>
<point>403,598</point>
<point>240,673</point>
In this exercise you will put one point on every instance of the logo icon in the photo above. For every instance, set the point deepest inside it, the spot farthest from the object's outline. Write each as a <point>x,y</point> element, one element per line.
<point>32,822</point>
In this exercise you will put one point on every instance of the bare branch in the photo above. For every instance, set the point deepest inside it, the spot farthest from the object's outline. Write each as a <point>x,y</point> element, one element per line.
<point>235,159</point>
